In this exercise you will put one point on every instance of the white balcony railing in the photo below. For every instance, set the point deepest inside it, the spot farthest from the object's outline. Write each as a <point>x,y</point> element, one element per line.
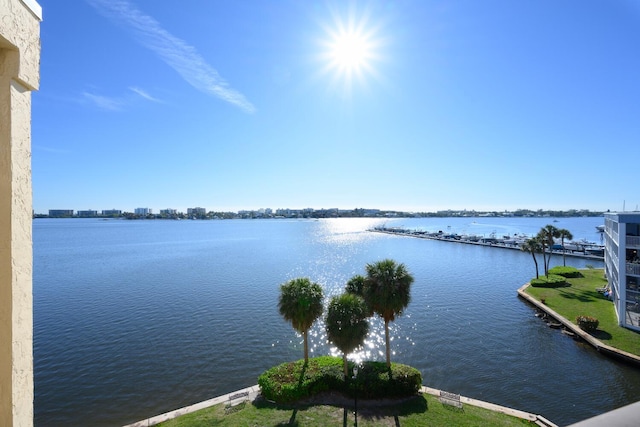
<point>633,269</point>
<point>633,241</point>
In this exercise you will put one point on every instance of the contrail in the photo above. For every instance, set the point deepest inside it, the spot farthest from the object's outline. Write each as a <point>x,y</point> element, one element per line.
<point>175,52</point>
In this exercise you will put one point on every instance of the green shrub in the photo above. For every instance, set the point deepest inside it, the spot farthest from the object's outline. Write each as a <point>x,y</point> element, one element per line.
<point>587,323</point>
<point>291,381</point>
<point>565,271</point>
<point>373,381</point>
<point>553,281</point>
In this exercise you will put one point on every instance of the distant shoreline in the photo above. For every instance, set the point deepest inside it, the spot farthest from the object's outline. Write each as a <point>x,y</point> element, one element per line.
<point>319,214</point>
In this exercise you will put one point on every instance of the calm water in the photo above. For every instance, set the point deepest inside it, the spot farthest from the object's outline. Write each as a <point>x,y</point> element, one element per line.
<point>136,318</point>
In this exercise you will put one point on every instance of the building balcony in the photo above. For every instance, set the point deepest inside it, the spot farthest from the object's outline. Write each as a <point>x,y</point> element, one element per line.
<point>633,241</point>
<point>633,268</point>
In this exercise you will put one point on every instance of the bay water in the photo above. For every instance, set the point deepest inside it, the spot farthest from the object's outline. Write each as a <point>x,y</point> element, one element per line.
<point>136,318</point>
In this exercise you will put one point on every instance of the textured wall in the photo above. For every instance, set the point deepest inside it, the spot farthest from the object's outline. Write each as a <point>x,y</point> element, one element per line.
<point>19,74</point>
<point>20,29</point>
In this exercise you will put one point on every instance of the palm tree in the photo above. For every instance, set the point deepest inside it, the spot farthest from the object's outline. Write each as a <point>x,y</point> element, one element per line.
<point>387,291</point>
<point>533,245</point>
<point>546,236</point>
<point>347,324</point>
<point>301,304</point>
<point>355,285</point>
<point>564,234</point>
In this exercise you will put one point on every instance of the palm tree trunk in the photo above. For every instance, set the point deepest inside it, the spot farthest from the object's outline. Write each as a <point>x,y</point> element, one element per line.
<point>544,259</point>
<point>306,347</point>
<point>346,366</point>
<point>535,261</point>
<point>386,340</point>
<point>564,261</point>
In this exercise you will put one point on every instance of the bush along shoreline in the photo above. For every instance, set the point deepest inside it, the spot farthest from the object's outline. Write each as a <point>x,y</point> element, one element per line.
<point>293,381</point>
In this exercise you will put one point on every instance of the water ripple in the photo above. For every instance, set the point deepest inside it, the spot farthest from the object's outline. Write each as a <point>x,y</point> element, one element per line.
<point>135,318</point>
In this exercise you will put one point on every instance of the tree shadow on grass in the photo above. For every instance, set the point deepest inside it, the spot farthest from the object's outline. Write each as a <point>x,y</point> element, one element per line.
<point>601,335</point>
<point>580,295</point>
<point>413,405</point>
<point>371,410</point>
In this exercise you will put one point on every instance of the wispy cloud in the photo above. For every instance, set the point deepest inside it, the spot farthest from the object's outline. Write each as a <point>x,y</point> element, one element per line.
<point>47,149</point>
<point>143,94</point>
<point>175,52</point>
<point>104,102</point>
<point>118,103</point>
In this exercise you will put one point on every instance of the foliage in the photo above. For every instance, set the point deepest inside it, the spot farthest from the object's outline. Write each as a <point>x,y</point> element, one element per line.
<point>346,323</point>
<point>355,285</point>
<point>533,246</point>
<point>292,381</point>
<point>546,236</point>
<point>550,281</point>
<point>563,233</point>
<point>373,382</point>
<point>567,272</point>
<point>387,292</point>
<point>301,304</point>
<point>587,323</point>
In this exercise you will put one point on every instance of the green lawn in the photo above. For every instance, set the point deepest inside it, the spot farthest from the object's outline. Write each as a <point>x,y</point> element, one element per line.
<point>420,411</point>
<point>581,298</point>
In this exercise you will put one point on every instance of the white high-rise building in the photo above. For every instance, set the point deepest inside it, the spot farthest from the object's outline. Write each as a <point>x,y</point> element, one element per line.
<point>622,265</point>
<point>143,211</point>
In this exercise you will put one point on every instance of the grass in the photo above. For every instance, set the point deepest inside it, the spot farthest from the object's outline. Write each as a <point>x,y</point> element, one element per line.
<point>580,297</point>
<point>419,411</point>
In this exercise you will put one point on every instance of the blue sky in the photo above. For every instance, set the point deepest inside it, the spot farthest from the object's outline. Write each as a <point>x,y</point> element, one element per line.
<point>228,105</point>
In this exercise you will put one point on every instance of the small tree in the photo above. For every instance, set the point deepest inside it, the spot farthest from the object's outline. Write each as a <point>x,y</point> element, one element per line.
<point>532,246</point>
<point>347,324</point>
<point>387,291</point>
<point>301,304</point>
<point>546,236</point>
<point>564,234</point>
<point>355,286</point>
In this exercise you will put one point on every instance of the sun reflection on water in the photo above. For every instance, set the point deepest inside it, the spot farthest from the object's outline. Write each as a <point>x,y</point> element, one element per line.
<point>373,348</point>
<point>332,269</point>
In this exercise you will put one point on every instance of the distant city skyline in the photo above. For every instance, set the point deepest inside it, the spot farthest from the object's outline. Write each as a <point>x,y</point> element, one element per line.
<point>142,211</point>
<point>410,105</point>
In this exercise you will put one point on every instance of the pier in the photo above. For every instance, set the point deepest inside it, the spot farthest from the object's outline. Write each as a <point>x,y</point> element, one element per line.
<point>584,250</point>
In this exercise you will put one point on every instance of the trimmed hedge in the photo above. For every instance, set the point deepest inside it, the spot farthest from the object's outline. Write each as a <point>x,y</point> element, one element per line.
<point>553,281</point>
<point>587,323</point>
<point>291,381</point>
<point>568,272</point>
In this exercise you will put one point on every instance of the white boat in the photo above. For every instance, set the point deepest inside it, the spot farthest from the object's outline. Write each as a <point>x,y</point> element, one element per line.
<point>594,250</point>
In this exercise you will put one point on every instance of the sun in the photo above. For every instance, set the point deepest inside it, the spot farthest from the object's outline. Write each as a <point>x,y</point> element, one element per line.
<point>350,52</point>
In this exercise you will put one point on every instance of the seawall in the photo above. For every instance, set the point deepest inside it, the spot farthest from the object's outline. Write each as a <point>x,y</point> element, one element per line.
<point>596,343</point>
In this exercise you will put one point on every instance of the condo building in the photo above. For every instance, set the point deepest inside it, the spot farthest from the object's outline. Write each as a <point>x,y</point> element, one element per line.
<point>60,213</point>
<point>622,265</point>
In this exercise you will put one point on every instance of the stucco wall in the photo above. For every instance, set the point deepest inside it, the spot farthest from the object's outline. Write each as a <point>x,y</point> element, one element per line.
<point>19,74</point>
<point>20,31</point>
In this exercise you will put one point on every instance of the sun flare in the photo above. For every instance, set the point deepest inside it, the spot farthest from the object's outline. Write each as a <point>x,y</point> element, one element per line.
<point>350,51</point>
